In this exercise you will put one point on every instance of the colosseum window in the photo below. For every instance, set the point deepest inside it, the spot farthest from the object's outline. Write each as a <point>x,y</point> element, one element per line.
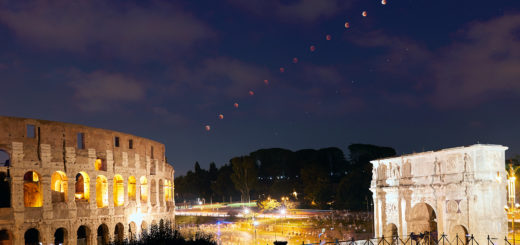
<point>119,190</point>
<point>116,141</point>
<point>131,188</point>
<point>144,189</point>
<point>82,187</point>
<point>59,187</point>
<point>167,190</point>
<point>4,159</point>
<point>81,141</point>
<point>60,236</point>
<point>101,191</point>
<point>32,190</point>
<point>30,131</point>
<point>100,164</point>
<point>5,189</point>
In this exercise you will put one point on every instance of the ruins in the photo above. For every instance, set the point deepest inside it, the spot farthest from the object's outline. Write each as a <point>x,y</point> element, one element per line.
<point>64,183</point>
<point>456,191</point>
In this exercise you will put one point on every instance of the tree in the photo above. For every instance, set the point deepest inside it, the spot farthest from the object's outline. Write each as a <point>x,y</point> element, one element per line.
<point>353,191</point>
<point>316,186</point>
<point>268,204</point>
<point>223,186</point>
<point>244,175</point>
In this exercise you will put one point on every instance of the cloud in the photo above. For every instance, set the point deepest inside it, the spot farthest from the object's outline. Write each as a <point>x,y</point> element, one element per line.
<point>479,66</point>
<point>482,66</point>
<point>293,11</point>
<point>90,26</point>
<point>220,76</point>
<point>101,91</point>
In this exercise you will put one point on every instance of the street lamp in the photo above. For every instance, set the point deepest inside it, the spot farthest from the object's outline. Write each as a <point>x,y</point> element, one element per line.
<point>282,212</point>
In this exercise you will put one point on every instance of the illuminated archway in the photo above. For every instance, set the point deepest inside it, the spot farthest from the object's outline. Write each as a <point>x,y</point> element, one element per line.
<point>153,193</point>
<point>82,187</point>
<point>101,191</point>
<point>32,190</point>
<point>59,187</point>
<point>131,188</point>
<point>100,164</point>
<point>144,189</point>
<point>167,191</point>
<point>119,191</point>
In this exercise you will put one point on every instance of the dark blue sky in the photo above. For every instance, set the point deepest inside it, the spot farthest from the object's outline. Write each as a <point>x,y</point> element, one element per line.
<point>414,75</point>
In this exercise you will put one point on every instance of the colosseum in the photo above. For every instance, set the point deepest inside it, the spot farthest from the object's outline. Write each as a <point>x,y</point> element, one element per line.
<point>64,183</point>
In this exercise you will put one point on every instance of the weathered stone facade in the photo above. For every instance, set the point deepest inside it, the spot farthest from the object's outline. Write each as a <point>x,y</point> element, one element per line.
<point>79,185</point>
<point>452,191</point>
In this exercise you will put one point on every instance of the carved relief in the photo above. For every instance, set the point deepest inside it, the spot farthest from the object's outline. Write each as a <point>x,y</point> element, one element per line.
<point>452,206</point>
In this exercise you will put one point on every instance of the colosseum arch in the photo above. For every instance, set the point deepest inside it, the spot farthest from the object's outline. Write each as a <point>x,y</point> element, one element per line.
<point>432,192</point>
<point>119,191</point>
<point>32,189</point>
<point>144,189</point>
<point>32,237</point>
<point>82,187</point>
<point>167,191</point>
<point>83,235</point>
<point>153,193</point>
<point>59,187</point>
<point>119,232</point>
<point>144,226</point>
<point>5,159</point>
<point>101,191</point>
<point>390,231</point>
<point>6,238</point>
<point>132,231</point>
<point>5,190</point>
<point>131,188</point>
<point>423,219</point>
<point>102,235</point>
<point>100,164</point>
<point>458,235</point>
<point>60,236</point>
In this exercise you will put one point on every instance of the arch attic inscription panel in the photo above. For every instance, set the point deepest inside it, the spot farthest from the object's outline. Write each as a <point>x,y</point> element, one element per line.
<point>73,184</point>
<point>455,191</point>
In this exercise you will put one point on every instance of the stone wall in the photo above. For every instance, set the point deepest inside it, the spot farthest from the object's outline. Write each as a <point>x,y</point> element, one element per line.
<point>452,191</point>
<point>46,148</point>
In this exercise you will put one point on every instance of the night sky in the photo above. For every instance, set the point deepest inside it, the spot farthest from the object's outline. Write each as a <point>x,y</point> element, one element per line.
<point>414,75</point>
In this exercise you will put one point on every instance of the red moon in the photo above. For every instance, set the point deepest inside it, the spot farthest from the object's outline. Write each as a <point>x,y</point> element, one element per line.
<point>312,48</point>
<point>235,105</point>
<point>208,128</point>
<point>221,116</point>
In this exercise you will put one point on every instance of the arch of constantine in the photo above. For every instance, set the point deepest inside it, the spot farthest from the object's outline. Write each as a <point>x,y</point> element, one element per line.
<point>452,191</point>
<point>73,184</point>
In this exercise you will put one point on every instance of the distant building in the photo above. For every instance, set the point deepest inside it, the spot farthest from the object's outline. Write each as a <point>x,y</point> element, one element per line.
<point>73,184</point>
<point>452,191</point>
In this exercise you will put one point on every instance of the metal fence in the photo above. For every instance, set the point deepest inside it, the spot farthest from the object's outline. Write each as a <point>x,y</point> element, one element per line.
<point>417,239</point>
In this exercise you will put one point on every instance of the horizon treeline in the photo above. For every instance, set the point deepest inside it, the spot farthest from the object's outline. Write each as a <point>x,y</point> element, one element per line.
<point>323,178</point>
